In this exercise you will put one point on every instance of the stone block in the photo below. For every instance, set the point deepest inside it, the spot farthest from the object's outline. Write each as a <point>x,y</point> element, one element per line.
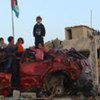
<point>16,95</point>
<point>2,97</point>
<point>28,95</point>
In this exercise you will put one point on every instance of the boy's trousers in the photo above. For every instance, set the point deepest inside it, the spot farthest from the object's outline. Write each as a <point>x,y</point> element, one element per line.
<point>39,40</point>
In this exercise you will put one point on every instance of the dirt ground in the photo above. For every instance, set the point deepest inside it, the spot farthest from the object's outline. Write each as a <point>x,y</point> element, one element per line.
<point>63,98</point>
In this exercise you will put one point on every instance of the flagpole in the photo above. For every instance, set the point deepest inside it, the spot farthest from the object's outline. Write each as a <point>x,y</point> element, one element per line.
<point>13,29</point>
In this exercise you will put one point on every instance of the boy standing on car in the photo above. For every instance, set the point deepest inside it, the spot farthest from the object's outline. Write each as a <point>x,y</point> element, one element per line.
<point>39,32</point>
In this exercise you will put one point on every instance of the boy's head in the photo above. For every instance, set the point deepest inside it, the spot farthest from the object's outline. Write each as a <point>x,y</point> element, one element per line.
<point>11,40</point>
<point>1,40</point>
<point>39,19</point>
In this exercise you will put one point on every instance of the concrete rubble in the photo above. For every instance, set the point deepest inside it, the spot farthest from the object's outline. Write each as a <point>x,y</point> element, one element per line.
<point>16,95</point>
<point>32,96</point>
<point>54,44</point>
<point>2,98</point>
<point>28,95</point>
<point>64,98</point>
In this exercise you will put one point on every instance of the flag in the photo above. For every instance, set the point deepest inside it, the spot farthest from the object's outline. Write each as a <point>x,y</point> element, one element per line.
<point>15,8</point>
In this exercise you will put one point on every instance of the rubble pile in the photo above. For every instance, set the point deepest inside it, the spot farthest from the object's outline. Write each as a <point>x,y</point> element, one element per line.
<point>32,96</point>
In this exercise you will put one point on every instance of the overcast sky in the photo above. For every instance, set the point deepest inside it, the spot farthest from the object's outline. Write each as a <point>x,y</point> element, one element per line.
<point>56,14</point>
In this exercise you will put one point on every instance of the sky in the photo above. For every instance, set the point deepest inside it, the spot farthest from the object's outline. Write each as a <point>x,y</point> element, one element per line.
<point>56,14</point>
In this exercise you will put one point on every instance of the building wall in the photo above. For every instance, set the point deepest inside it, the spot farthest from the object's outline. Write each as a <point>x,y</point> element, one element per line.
<point>78,32</point>
<point>86,31</point>
<point>83,39</point>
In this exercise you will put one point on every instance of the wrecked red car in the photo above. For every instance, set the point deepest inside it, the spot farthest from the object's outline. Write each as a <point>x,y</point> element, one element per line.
<point>56,74</point>
<point>62,72</point>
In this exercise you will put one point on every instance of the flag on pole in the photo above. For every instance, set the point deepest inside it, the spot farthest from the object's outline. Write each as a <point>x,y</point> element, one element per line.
<point>15,8</point>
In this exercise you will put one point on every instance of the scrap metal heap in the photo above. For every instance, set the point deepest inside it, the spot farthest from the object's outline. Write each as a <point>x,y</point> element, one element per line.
<point>64,72</point>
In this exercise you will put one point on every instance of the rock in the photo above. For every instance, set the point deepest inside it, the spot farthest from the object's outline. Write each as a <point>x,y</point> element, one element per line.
<point>1,97</point>
<point>98,98</point>
<point>28,95</point>
<point>67,98</point>
<point>16,95</point>
<point>10,98</point>
<point>56,43</point>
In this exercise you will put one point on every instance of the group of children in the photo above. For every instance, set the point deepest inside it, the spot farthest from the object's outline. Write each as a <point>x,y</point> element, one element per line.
<point>12,50</point>
<point>18,47</point>
<point>38,33</point>
<point>10,65</point>
<point>16,50</point>
<point>11,47</point>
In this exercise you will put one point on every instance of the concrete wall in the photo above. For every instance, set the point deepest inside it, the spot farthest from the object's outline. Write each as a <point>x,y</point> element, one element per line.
<point>82,39</point>
<point>86,31</point>
<point>78,32</point>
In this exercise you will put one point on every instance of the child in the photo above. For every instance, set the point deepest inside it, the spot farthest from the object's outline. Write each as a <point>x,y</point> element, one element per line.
<point>11,47</point>
<point>39,32</point>
<point>11,50</point>
<point>20,48</point>
<point>2,43</point>
<point>39,52</point>
<point>12,63</point>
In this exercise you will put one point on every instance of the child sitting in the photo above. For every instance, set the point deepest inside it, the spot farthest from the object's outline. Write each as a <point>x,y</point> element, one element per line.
<point>40,52</point>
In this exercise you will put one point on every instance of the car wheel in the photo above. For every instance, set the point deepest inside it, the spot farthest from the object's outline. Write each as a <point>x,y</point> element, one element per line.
<point>54,85</point>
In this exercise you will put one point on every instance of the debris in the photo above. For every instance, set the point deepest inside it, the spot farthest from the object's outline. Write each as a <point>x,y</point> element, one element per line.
<point>16,95</point>
<point>28,95</point>
<point>2,97</point>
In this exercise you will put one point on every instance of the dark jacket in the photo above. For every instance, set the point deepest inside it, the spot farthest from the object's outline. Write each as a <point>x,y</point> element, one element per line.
<point>39,30</point>
<point>11,50</point>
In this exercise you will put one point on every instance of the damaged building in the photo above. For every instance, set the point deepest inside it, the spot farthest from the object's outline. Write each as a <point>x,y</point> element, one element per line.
<point>85,40</point>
